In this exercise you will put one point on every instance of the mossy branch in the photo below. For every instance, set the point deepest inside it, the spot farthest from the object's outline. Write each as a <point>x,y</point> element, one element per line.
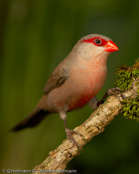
<point>126,76</point>
<point>94,125</point>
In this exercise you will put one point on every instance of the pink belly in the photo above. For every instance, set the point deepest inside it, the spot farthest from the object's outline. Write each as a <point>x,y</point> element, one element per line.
<point>76,92</point>
<point>80,101</point>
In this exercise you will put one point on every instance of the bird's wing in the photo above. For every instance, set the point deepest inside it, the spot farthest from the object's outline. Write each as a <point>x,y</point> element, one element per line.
<point>58,77</point>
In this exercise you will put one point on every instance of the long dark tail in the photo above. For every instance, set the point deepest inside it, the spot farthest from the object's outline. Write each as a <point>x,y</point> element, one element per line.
<point>31,120</point>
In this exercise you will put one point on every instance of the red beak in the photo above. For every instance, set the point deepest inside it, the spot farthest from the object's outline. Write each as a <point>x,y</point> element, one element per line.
<point>111,46</point>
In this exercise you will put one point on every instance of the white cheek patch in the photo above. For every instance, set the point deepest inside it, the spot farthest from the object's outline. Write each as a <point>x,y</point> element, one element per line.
<point>89,51</point>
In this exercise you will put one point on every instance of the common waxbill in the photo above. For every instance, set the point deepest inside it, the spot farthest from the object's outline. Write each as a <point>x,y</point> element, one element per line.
<point>74,82</point>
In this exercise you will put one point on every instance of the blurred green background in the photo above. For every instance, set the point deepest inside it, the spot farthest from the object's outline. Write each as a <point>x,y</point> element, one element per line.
<point>34,37</point>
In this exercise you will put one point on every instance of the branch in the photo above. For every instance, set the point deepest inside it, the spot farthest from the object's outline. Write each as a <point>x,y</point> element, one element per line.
<point>94,125</point>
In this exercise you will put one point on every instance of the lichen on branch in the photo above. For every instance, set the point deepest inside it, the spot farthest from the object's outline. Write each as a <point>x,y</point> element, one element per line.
<point>126,76</point>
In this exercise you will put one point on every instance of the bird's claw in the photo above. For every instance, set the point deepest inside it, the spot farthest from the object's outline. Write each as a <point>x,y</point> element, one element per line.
<point>117,91</point>
<point>69,134</point>
<point>113,91</point>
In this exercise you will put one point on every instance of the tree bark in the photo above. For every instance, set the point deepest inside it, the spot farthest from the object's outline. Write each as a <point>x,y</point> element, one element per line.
<point>94,125</point>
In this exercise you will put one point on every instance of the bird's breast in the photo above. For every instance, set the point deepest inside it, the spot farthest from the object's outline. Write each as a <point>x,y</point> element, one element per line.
<point>87,83</point>
<point>83,83</point>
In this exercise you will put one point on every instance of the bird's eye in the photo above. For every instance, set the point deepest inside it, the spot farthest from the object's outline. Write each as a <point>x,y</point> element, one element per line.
<point>97,41</point>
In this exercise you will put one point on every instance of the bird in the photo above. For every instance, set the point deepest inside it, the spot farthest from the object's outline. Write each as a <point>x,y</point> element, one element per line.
<point>74,83</point>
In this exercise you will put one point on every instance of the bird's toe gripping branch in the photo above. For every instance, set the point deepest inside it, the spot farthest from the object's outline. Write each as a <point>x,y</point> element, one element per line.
<point>69,134</point>
<point>113,91</point>
<point>117,92</point>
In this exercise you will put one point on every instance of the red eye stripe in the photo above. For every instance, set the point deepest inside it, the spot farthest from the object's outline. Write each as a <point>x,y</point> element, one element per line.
<point>92,40</point>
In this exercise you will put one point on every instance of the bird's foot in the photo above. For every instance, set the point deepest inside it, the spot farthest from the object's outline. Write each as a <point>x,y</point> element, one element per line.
<point>117,91</point>
<point>69,134</point>
<point>113,91</point>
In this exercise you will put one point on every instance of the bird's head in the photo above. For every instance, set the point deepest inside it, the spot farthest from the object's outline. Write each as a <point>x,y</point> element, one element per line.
<point>94,46</point>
